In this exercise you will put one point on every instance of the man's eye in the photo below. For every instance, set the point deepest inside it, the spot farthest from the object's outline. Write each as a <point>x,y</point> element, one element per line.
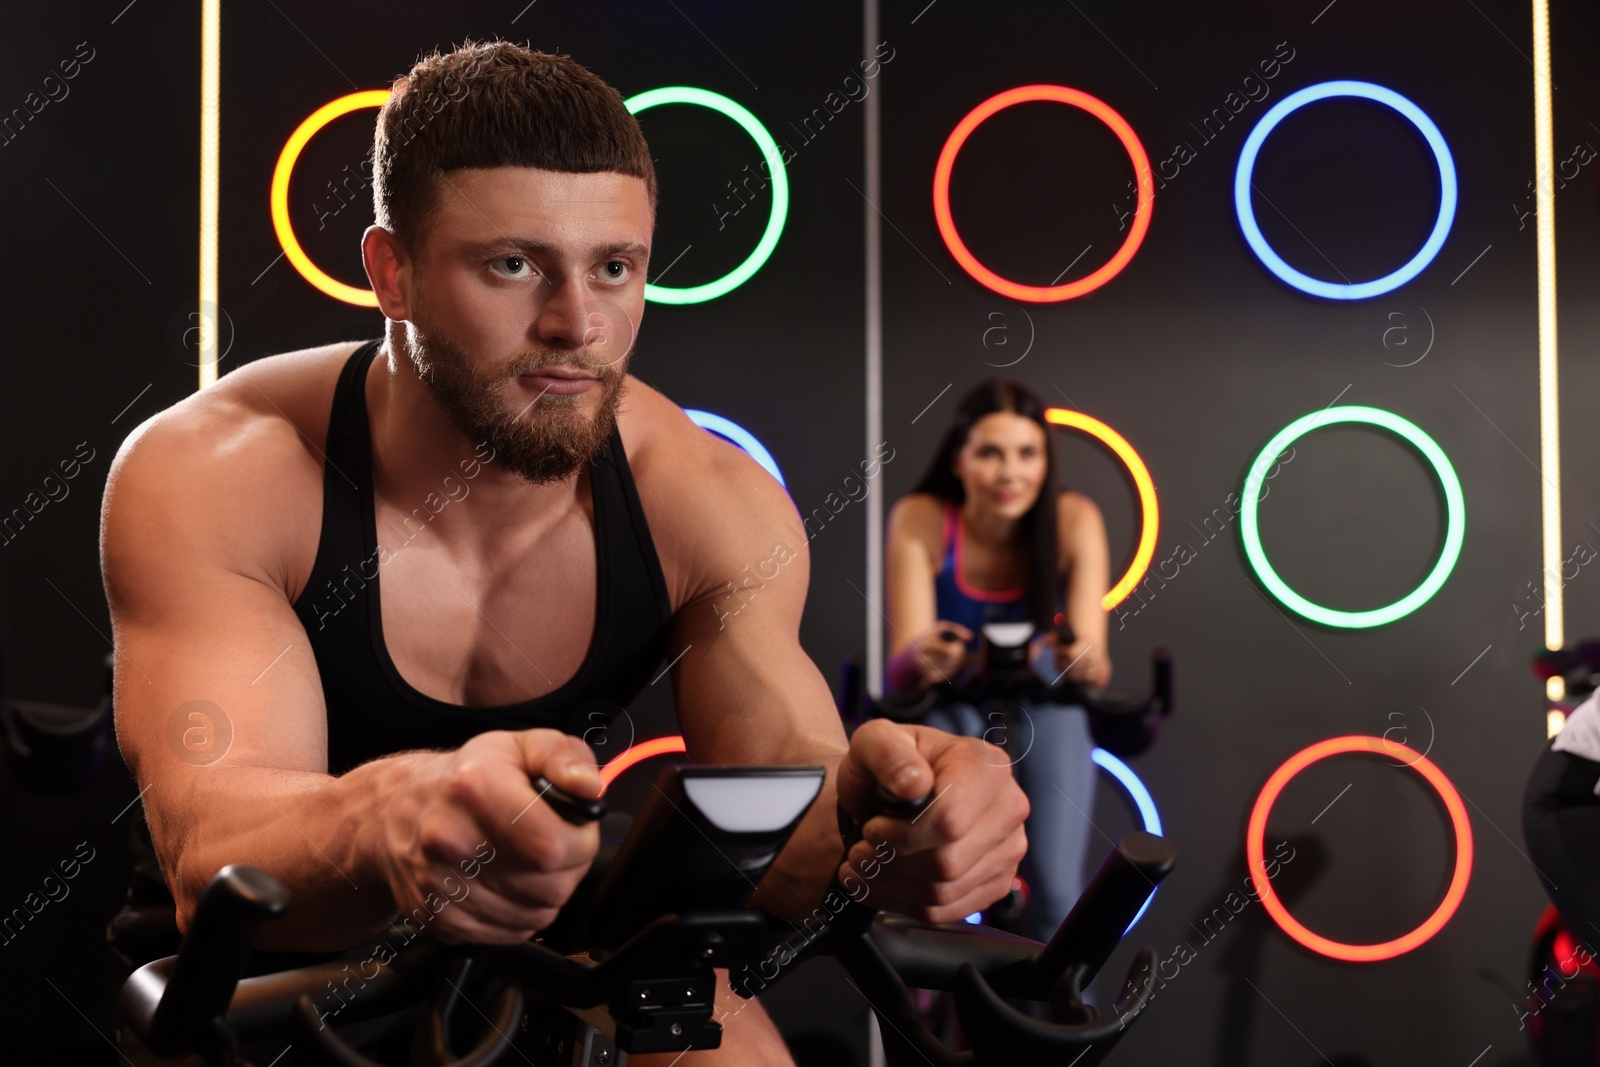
<point>515,266</point>
<point>620,273</point>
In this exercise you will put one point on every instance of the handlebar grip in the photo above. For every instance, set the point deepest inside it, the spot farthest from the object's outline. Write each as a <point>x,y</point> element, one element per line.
<point>237,903</point>
<point>880,801</point>
<point>896,806</point>
<point>576,810</point>
<point>855,917</point>
<point>1119,889</point>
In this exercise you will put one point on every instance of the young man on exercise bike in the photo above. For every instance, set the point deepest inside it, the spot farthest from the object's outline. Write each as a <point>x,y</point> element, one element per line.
<point>538,544</point>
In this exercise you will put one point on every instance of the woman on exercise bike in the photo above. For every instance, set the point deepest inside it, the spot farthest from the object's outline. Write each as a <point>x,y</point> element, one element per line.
<point>986,536</point>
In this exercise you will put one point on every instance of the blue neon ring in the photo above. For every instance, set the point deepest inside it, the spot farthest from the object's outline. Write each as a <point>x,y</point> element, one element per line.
<point>1304,282</point>
<point>1141,800</point>
<point>739,436</point>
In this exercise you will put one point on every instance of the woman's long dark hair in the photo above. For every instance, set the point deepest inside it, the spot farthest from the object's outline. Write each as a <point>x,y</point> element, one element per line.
<point>1037,529</point>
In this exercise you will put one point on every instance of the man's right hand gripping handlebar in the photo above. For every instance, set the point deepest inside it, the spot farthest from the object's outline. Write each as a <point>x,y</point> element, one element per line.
<point>958,844</point>
<point>476,827</point>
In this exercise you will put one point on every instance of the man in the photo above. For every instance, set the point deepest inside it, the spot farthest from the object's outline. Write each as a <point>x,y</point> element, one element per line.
<point>379,747</point>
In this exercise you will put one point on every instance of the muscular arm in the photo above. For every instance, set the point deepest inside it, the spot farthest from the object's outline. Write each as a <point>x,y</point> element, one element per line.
<point>746,690</point>
<point>226,737</point>
<point>747,693</point>
<point>220,715</point>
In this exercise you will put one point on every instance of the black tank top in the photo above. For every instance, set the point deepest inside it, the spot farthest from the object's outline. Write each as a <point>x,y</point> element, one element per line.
<point>372,711</point>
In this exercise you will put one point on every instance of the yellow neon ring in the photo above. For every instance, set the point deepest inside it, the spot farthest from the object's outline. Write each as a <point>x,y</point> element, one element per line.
<point>279,199</point>
<point>1151,518</point>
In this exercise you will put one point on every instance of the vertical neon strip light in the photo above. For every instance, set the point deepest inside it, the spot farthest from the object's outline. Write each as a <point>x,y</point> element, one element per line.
<point>1549,423</point>
<point>874,339</point>
<point>210,86</point>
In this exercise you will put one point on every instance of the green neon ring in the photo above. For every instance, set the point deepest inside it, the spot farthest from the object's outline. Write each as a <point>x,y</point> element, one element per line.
<point>683,94</point>
<point>1455,522</point>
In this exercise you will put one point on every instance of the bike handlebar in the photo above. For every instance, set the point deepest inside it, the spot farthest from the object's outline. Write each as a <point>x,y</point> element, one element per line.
<point>175,1006</point>
<point>928,958</point>
<point>984,966</point>
<point>1126,725</point>
<point>659,983</point>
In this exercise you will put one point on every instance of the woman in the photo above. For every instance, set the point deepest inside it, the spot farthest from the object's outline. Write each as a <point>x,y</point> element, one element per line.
<point>986,536</point>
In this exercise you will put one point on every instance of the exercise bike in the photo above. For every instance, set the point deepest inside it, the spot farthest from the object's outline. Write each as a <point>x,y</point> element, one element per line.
<point>57,748</point>
<point>628,965</point>
<point>1003,679</point>
<point>999,683</point>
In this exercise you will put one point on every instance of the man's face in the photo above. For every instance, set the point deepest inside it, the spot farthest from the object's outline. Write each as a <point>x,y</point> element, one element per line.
<point>525,302</point>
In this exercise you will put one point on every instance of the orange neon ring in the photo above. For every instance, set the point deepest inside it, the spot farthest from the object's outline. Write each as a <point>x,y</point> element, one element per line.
<point>1062,95</point>
<point>658,746</point>
<point>1150,516</point>
<point>279,198</point>
<point>1255,849</point>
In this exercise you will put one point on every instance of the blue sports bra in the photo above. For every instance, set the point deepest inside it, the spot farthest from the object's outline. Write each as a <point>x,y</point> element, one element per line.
<point>956,601</point>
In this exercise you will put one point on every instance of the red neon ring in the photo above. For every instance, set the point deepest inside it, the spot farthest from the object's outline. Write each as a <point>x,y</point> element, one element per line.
<point>1255,851</point>
<point>658,746</point>
<point>1062,95</point>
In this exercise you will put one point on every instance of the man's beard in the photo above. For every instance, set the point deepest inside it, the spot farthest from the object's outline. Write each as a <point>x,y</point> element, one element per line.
<point>547,448</point>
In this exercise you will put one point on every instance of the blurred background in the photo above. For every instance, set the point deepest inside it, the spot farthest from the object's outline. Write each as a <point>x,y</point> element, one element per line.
<point>862,327</point>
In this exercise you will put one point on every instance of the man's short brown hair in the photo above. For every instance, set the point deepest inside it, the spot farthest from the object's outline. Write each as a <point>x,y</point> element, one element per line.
<point>495,104</point>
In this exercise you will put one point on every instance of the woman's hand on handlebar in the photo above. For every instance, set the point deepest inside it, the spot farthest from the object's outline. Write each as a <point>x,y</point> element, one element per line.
<point>470,849</point>
<point>1082,661</point>
<point>961,853</point>
<point>939,654</point>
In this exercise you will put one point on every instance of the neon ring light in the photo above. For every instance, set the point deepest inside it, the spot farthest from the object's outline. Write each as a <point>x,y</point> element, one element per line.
<point>1455,524</point>
<point>1062,95</point>
<point>1141,800</point>
<point>1151,519</point>
<point>682,94</point>
<point>1304,282</point>
<point>658,746</point>
<point>672,95</point>
<point>739,436</point>
<point>1255,850</point>
<point>279,197</point>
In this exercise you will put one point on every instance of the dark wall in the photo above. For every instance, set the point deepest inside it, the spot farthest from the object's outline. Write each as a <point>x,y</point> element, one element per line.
<point>1198,355</point>
<point>1195,353</point>
<point>101,231</point>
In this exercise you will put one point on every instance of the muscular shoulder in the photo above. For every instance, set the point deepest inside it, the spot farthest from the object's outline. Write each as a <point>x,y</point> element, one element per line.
<point>231,471</point>
<point>711,507</point>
